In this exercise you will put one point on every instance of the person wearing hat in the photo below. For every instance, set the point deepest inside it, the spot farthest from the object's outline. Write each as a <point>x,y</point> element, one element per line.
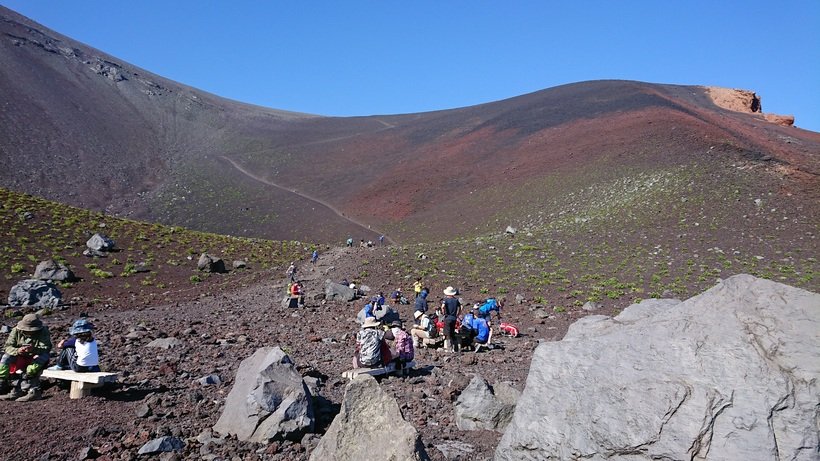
<point>369,344</point>
<point>420,304</point>
<point>27,348</point>
<point>79,352</point>
<point>423,328</point>
<point>451,308</point>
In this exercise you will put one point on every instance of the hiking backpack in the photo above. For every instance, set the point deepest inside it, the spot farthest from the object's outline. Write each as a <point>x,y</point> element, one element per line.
<point>369,347</point>
<point>404,345</point>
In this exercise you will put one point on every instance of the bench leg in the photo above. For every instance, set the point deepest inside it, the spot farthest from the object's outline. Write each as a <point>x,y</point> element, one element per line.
<point>80,389</point>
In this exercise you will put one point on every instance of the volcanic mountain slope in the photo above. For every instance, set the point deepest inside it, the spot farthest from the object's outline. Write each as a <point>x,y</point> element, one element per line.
<point>85,128</point>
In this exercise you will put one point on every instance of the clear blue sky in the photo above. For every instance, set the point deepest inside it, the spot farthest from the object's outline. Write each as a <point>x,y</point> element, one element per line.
<point>386,57</point>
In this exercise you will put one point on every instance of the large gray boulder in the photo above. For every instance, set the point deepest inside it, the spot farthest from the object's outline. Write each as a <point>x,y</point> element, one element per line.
<point>99,242</point>
<point>369,426</point>
<point>480,406</point>
<point>338,292</point>
<point>268,400</point>
<point>37,293</point>
<point>729,374</point>
<point>210,263</point>
<point>54,271</point>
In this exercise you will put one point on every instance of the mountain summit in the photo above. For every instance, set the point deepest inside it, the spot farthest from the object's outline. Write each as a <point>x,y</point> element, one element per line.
<point>85,128</point>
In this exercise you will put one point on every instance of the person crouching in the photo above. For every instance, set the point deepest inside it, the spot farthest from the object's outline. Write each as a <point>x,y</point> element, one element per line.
<point>370,345</point>
<point>27,348</point>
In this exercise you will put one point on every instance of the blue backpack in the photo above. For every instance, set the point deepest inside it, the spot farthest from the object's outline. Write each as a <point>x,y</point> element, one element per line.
<point>490,305</point>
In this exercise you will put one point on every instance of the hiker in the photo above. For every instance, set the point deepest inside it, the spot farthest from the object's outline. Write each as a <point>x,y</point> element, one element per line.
<point>467,332</point>
<point>417,287</point>
<point>296,295</point>
<point>396,296</point>
<point>27,348</point>
<point>291,271</point>
<point>423,328</point>
<point>381,240</point>
<point>371,350</point>
<point>314,257</point>
<point>403,345</point>
<point>362,244</point>
<point>349,242</point>
<point>421,303</point>
<point>450,308</point>
<point>483,333</point>
<point>367,312</point>
<point>380,300</point>
<point>486,309</point>
<point>79,352</point>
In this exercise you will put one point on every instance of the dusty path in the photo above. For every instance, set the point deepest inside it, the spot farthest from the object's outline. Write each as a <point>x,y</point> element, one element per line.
<point>308,197</point>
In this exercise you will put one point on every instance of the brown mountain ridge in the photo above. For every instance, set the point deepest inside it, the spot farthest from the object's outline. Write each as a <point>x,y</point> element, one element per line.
<point>85,128</point>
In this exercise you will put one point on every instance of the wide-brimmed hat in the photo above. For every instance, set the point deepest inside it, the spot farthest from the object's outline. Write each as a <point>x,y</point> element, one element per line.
<point>417,314</point>
<point>30,322</point>
<point>450,291</point>
<point>371,322</point>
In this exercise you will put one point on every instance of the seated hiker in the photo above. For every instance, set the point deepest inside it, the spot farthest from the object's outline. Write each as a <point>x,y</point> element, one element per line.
<point>423,328</point>
<point>486,309</point>
<point>367,312</point>
<point>483,333</point>
<point>371,349</point>
<point>403,347</point>
<point>27,348</point>
<point>380,299</point>
<point>396,296</point>
<point>79,352</point>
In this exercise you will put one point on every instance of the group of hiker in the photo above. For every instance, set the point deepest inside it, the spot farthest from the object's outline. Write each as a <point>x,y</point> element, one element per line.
<point>27,352</point>
<point>383,340</point>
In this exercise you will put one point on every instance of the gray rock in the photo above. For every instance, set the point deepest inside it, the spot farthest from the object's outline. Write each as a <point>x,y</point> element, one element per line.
<point>591,306</point>
<point>510,230</point>
<point>519,299</point>
<point>143,411</point>
<point>453,449</point>
<point>268,400</point>
<point>164,343</point>
<point>338,292</point>
<point>36,293</point>
<point>209,263</point>
<point>94,253</point>
<point>479,407</point>
<point>5,329</point>
<point>99,242</point>
<point>210,380</point>
<point>54,271</point>
<point>162,444</point>
<point>731,373</point>
<point>369,423</point>
<point>240,264</point>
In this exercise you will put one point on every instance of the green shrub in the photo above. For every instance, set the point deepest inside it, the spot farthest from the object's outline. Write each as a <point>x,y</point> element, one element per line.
<point>16,268</point>
<point>99,273</point>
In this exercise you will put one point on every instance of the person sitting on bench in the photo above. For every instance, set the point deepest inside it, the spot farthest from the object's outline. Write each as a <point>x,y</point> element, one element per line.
<point>371,349</point>
<point>27,348</point>
<point>79,352</point>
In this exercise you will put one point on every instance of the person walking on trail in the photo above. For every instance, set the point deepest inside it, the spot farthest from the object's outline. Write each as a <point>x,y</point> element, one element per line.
<point>417,287</point>
<point>27,348</point>
<point>381,240</point>
<point>291,272</point>
<point>314,257</point>
<point>451,308</point>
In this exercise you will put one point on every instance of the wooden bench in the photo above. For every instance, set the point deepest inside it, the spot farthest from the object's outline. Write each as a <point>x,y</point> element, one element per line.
<point>378,371</point>
<point>81,383</point>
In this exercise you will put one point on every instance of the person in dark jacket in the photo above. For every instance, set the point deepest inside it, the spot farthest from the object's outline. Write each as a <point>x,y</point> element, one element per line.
<point>421,303</point>
<point>450,309</point>
<point>27,348</point>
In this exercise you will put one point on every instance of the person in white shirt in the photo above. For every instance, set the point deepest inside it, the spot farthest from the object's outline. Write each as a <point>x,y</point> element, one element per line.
<point>79,352</point>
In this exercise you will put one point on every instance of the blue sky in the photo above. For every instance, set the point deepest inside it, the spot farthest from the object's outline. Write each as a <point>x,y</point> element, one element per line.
<point>386,57</point>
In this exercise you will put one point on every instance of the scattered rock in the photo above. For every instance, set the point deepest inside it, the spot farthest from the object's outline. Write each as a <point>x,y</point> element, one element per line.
<point>54,271</point>
<point>369,422</point>
<point>520,299</point>
<point>591,306</point>
<point>162,444</point>
<point>99,242</point>
<point>210,380</point>
<point>5,329</point>
<point>94,253</point>
<point>453,449</point>
<point>510,230</point>
<point>164,343</point>
<point>240,264</point>
<point>268,400</point>
<point>338,292</point>
<point>479,407</point>
<point>37,293</point>
<point>210,263</point>
<point>731,372</point>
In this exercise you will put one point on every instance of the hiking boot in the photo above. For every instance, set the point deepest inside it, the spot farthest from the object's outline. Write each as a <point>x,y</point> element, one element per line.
<point>32,394</point>
<point>13,395</point>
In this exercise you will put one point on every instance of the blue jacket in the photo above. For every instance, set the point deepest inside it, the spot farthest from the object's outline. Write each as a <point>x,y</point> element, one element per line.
<point>368,311</point>
<point>482,329</point>
<point>421,303</point>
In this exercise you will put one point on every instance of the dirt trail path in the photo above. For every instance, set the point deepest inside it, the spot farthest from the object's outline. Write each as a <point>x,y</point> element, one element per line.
<point>321,202</point>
